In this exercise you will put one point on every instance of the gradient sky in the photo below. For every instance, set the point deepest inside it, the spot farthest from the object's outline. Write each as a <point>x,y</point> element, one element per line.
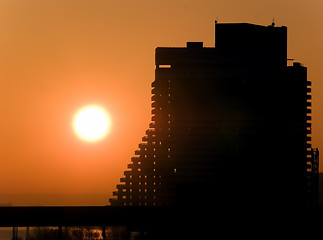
<point>59,55</point>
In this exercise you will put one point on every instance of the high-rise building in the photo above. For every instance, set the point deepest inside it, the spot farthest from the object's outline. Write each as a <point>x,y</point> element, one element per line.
<point>231,125</point>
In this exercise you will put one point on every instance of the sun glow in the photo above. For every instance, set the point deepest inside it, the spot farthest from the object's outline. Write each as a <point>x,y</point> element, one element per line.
<point>91,123</point>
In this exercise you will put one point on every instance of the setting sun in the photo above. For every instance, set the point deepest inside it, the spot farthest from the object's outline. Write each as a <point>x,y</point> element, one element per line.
<point>91,123</point>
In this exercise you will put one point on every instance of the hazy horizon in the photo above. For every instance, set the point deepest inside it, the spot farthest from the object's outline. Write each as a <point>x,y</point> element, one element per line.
<point>54,199</point>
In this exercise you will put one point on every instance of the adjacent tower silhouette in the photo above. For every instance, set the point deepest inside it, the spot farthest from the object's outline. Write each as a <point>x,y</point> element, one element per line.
<point>231,125</point>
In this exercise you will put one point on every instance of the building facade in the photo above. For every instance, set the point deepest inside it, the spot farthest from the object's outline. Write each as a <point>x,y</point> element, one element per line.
<point>231,125</point>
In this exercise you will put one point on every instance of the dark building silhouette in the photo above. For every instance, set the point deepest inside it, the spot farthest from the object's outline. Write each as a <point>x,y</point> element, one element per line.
<point>231,126</point>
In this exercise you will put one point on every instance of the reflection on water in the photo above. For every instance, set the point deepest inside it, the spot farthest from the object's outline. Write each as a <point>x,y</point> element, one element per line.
<point>6,233</point>
<point>68,233</point>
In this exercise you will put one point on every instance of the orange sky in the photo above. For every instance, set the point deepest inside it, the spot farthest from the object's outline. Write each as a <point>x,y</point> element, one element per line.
<point>58,55</point>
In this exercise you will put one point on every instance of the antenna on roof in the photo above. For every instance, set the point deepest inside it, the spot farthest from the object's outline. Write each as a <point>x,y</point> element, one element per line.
<point>273,23</point>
